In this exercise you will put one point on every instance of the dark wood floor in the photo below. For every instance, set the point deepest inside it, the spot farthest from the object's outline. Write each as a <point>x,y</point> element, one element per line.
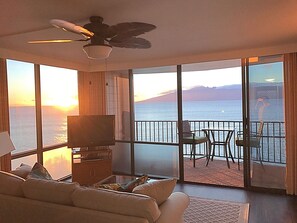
<point>264,207</point>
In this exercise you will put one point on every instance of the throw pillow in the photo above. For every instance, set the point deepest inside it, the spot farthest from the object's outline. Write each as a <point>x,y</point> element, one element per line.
<point>22,171</point>
<point>132,184</point>
<point>160,190</point>
<point>39,172</point>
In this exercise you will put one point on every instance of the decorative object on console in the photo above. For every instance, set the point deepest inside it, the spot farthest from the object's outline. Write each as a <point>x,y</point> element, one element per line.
<point>6,145</point>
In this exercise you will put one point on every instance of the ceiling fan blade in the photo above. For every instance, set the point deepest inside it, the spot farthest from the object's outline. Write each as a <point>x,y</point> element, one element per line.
<point>56,41</point>
<point>132,42</point>
<point>68,26</point>
<point>131,28</point>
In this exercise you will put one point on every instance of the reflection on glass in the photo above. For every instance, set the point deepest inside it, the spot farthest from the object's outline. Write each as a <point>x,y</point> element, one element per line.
<point>59,99</point>
<point>121,158</point>
<point>117,92</point>
<point>29,160</point>
<point>58,162</point>
<point>156,160</point>
<point>266,102</point>
<point>21,105</point>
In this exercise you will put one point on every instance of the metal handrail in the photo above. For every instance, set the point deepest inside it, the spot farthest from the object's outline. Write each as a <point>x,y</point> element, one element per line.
<point>272,140</point>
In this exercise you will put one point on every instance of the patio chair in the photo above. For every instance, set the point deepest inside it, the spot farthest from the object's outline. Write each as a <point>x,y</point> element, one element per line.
<point>254,142</point>
<point>193,137</point>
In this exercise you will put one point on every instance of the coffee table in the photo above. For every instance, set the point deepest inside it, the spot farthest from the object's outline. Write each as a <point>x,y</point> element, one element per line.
<point>121,179</point>
<point>118,179</point>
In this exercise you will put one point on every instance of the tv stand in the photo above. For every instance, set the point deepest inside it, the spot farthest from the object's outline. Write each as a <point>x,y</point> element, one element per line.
<point>91,165</point>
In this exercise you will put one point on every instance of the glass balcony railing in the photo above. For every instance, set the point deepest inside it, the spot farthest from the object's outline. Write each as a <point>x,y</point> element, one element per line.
<point>272,141</point>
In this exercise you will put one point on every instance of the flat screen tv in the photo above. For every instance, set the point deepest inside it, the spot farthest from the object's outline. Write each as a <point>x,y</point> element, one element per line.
<point>90,130</point>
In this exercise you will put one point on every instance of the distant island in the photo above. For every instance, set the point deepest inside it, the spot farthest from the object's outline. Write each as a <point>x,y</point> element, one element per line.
<point>201,93</point>
<point>227,92</point>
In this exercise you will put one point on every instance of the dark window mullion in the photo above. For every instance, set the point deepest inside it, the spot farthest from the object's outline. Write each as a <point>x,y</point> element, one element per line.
<point>38,113</point>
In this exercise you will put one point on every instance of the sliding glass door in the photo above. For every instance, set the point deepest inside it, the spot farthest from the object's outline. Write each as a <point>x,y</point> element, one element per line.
<point>212,103</point>
<point>265,150</point>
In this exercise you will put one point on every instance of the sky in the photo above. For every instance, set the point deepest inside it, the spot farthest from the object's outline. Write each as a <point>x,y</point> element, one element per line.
<point>58,85</point>
<point>149,85</point>
<point>152,85</point>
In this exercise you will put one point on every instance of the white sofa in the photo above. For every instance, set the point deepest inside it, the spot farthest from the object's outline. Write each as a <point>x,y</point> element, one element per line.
<point>36,200</point>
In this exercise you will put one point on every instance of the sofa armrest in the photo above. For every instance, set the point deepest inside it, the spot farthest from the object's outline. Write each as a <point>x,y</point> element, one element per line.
<point>172,210</point>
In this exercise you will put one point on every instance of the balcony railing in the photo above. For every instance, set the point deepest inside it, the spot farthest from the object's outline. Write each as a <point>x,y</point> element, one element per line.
<point>272,141</point>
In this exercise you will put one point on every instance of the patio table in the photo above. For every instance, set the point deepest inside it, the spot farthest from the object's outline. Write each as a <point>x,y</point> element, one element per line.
<point>211,134</point>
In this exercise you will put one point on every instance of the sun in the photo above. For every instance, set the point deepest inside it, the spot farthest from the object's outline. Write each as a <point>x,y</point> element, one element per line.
<point>65,104</point>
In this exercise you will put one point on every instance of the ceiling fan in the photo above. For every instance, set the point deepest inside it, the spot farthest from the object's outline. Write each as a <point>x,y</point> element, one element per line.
<point>102,37</point>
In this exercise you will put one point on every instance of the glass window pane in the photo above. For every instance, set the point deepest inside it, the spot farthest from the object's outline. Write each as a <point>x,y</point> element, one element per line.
<point>22,116</point>
<point>155,104</point>
<point>156,160</point>
<point>117,93</point>
<point>59,97</point>
<point>266,105</point>
<point>121,158</point>
<point>212,91</point>
<point>58,162</point>
<point>29,160</point>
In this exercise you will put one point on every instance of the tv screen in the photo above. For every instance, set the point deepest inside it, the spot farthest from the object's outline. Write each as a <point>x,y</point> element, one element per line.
<point>90,130</point>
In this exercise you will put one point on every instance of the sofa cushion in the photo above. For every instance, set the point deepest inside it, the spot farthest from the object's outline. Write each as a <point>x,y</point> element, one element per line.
<point>158,189</point>
<point>117,202</point>
<point>22,171</point>
<point>11,184</point>
<point>49,190</point>
<point>38,171</point>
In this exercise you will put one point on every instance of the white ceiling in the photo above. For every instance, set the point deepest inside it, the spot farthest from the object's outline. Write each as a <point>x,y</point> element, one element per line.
<point>187,30</point>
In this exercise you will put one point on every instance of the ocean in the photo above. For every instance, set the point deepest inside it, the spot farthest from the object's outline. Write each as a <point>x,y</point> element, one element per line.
<point>220,110</point>
<point>23,126</point>
<point>23,135</point>
<point>54,121</point>
<point>192,110</point>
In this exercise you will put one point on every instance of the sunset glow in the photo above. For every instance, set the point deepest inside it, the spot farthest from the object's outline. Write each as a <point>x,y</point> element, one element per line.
<point>58,85</point>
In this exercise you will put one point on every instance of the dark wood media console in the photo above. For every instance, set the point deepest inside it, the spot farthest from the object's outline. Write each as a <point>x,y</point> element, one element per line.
<point>90,166</point>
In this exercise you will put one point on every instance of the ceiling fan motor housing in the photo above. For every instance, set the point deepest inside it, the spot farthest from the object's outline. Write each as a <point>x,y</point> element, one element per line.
<point>100,51</point>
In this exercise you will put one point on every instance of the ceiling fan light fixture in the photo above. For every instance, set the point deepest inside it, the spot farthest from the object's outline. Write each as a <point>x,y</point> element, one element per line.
<point>97,51</point>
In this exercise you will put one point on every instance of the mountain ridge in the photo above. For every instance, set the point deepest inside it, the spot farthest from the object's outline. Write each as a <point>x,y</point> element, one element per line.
<point>201,93</point>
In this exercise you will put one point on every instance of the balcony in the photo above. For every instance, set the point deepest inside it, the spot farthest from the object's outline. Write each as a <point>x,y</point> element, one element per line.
<point>273,153</point>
